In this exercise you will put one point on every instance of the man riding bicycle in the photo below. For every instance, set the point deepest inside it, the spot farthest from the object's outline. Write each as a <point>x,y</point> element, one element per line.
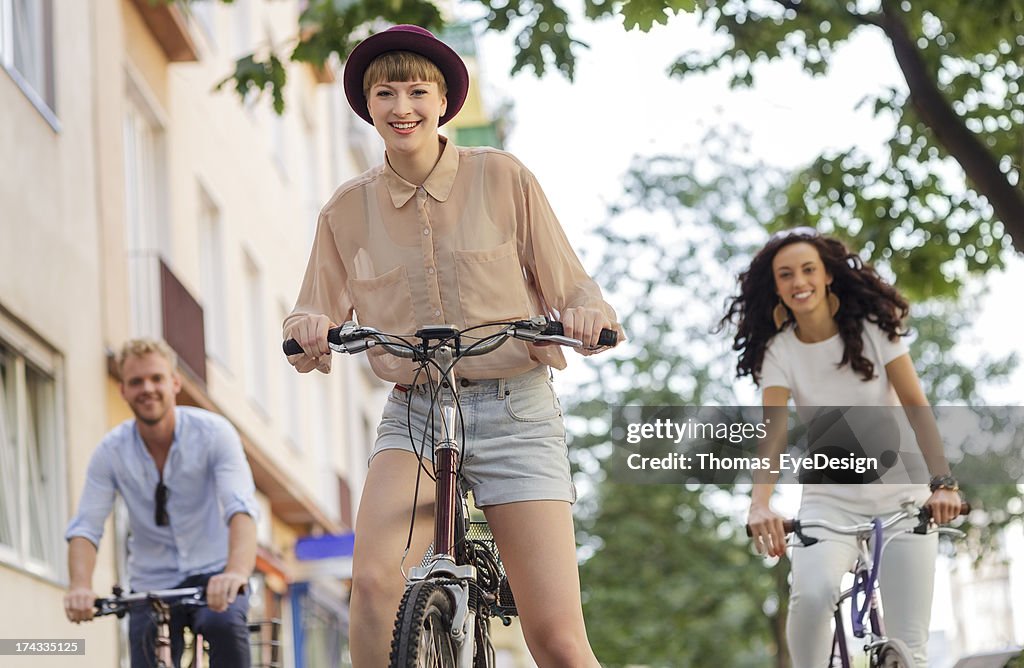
<point>191,508</point>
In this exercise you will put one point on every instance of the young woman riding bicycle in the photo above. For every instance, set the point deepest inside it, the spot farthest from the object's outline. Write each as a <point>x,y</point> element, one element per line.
<point>447,235</point>
<point>817,324</point>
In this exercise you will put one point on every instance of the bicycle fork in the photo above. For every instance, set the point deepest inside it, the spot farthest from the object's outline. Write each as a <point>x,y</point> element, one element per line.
<point>443,564</point>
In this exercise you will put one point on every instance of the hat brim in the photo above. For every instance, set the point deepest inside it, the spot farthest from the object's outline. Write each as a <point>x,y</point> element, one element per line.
<point>451,65</point>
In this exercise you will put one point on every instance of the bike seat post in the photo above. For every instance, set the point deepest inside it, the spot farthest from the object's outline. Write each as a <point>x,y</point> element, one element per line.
<point>446,456</point>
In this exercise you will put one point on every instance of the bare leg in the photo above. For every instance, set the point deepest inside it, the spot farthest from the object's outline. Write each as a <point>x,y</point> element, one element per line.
<point>538,548</point>
<point>382,529</point>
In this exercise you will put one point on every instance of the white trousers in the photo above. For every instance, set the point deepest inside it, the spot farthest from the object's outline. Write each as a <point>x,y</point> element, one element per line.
<point>906,578</point>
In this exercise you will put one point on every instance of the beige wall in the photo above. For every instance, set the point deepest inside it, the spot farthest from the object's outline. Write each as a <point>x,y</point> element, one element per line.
<point>49,285</point>
<point>63,275</point>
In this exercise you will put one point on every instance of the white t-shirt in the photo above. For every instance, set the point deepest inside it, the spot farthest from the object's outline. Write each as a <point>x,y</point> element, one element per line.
<point>810,372</point>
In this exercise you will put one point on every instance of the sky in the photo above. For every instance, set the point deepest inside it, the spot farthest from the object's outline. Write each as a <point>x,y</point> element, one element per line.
<point>579,138</point>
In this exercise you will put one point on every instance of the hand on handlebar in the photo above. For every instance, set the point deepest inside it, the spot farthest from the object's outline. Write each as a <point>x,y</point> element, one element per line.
<point>311,334</point>
<point>585,324</point>
<point>766,529</point>
<point>222,590</point>
<point>945,505</point>
<point>80,604</point>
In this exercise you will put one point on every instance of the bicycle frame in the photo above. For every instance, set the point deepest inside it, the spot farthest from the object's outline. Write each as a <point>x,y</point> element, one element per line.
<point>871,544</point>
<point>865,579</point>
<point>160,602</point>
<point>454,610</point>
<point>443,563</point>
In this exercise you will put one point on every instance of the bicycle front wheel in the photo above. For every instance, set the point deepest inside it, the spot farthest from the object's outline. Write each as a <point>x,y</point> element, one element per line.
<point>895,654</point>
<point>423,629</point>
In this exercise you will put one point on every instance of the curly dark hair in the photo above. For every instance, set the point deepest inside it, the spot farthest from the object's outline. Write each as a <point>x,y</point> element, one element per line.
<point>862,293</point>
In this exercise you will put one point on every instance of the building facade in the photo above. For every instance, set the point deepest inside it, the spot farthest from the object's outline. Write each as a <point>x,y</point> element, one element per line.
<point>138,200</point>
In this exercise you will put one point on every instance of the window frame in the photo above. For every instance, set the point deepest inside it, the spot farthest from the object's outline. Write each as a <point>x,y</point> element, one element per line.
<point>29,355</point>
<point>45,101</point>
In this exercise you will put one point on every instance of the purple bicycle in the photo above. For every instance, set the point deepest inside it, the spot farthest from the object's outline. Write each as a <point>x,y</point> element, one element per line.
<point>865,614</point>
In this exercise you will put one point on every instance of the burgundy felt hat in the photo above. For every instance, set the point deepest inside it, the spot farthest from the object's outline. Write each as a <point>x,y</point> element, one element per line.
<point>406,38</point>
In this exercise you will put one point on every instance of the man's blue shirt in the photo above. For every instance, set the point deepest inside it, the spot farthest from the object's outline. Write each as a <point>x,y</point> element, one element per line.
<point>208,479</point>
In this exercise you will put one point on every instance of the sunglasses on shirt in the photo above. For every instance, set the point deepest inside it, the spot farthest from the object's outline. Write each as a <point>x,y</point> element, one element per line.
<point>162,519</point>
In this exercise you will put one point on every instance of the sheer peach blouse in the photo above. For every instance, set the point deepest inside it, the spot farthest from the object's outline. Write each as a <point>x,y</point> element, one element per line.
<point>476,243</point>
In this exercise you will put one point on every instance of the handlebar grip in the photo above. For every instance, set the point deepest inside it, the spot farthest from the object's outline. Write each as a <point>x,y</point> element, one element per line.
<point>292,347</point>
<point>788,526</point>
<point>965,509</point>
<point>608,337</point>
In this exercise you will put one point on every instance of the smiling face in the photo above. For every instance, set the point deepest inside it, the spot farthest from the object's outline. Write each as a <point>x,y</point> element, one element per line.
<point>406,114</point>
<point>801,279</point>
<point>149,384</point>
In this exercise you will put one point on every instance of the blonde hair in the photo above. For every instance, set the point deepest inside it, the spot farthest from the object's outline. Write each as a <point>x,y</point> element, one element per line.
<point>402,66</point>
<point>144,346</point>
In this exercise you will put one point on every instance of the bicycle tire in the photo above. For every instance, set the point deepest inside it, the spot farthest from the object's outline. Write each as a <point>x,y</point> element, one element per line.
<point>895,654</point>
<point>422,637</point>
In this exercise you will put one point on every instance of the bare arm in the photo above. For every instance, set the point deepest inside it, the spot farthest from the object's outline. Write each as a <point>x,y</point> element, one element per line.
<point>765,525</point>
<point>945,504</point>
<point>908,388</point>
<point>222,589</point>
<point>80,599</point>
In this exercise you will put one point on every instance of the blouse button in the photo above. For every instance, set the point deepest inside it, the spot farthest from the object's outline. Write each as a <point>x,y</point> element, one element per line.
<point>426,231</point>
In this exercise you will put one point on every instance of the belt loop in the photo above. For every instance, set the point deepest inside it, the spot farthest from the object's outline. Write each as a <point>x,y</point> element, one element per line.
<point>501,388</point>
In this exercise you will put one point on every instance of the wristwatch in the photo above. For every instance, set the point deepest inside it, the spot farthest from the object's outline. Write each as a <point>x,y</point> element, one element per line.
<point>946,481</point>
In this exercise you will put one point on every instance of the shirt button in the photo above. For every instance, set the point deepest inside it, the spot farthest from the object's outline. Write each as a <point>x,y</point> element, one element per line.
<point>426,232</point>
<point>430,270</point>
<point>437,313</point>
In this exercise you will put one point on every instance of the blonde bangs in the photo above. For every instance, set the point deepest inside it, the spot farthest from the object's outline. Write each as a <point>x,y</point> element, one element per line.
<point>402,66</point>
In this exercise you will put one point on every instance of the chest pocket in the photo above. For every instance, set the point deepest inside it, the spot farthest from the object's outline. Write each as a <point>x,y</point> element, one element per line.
<point>492,286</point>
<point>383,302</point>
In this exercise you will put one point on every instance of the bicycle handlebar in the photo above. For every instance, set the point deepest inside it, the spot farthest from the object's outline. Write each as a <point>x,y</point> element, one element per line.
<point>924,515</point>
<point>119,604</point>
<point>352,338</point>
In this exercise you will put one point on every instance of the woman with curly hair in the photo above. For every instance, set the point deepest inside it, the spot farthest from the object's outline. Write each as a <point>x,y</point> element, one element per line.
<point>817,324</point>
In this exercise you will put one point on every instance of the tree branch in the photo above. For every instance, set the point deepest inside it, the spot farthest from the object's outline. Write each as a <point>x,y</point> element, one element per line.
<point>980,166</point>
<point>801,8</point>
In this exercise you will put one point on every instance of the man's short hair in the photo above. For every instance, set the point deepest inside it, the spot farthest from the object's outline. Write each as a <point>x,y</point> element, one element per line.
<point>144,346</point>
<point>402,66</point>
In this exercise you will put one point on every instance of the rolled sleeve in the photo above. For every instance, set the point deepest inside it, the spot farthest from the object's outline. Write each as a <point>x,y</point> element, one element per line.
<point>324,288</point>
<point>548,256</point>
<point>235,488</point>
<point>97,498</point>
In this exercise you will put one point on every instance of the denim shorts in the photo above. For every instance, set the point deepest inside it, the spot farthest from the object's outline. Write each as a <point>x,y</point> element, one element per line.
<point>511,434</point>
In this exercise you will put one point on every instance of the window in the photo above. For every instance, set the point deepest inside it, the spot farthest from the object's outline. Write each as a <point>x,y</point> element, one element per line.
<point>278,142</point>
<point>145,187</point>
<point>211,278</point>
<point>311,181</point>
<point>255,336</point>
<point>205,13</point>
<point>32,496</point>
<point>26,50</point>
